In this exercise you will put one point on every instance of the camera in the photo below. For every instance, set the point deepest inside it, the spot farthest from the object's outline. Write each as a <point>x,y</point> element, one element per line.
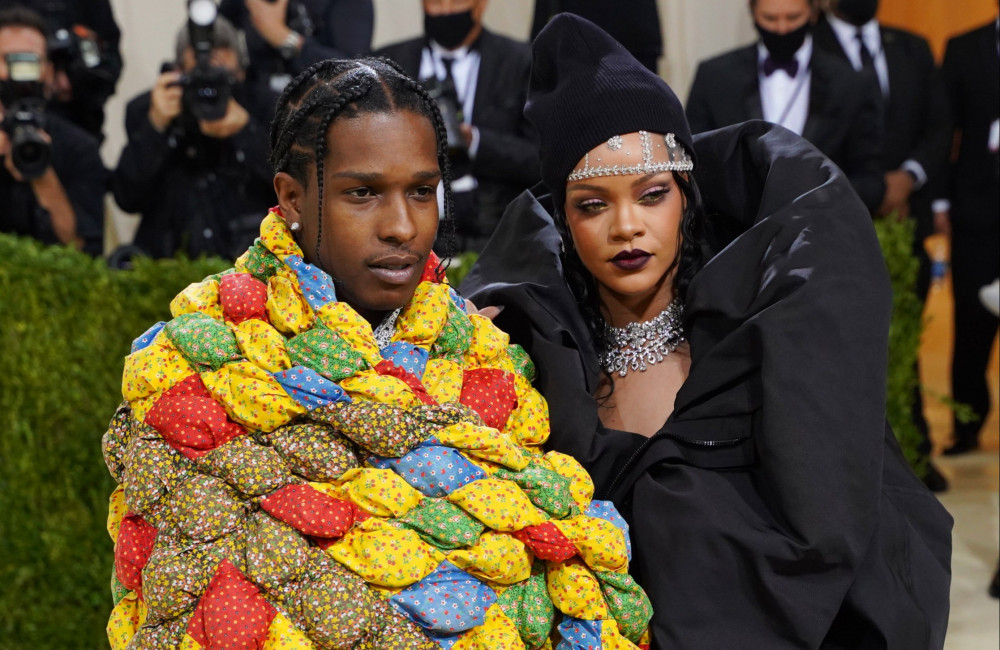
<point>23,97</point>
<point>207,88</point>
<point>77,52</point>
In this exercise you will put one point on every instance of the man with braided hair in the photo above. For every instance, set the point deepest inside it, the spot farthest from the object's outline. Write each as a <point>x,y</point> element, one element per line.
<point>323,449</point>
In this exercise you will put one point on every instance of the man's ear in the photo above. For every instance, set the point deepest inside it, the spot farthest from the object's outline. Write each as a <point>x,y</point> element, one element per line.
<point>291,197</point>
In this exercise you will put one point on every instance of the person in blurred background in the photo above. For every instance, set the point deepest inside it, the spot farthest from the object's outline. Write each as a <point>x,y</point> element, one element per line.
<point>52,180</point>
<point>785,79</point>
<point>972,76</point>
<point>917,136</point>
<point>197,173</point>
<point>284,37</point>
<point>480,81</point>
<point>633,23</point>
<point>84,48</point>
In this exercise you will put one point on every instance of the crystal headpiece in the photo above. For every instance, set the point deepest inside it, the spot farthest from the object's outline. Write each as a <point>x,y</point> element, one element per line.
<point>677,160</point>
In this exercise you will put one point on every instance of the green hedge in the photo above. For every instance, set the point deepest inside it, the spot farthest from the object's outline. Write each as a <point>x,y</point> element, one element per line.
<point>66,323</point>
<point>896,239</point>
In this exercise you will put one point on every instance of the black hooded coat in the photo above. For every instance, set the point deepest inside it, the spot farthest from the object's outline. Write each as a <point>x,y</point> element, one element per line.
<point>774,508</point>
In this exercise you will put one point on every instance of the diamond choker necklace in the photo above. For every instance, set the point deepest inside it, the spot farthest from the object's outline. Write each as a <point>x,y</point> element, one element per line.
<point>638,345</point>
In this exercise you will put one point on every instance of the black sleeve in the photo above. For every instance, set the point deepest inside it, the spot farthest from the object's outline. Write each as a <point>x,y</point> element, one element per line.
<point>863,153</point>
<point>511,156</point>
<point>934,143</point>
<point>136,179</point>
<point>77,162</point>
<point>699,109</point>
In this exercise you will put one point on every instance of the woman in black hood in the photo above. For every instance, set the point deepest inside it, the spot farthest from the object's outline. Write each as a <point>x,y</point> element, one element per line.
<point>719,368</point>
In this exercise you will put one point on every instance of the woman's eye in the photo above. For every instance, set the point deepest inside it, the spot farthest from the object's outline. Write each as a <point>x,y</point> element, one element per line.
<point>591,205</point>
<point>654,195</point>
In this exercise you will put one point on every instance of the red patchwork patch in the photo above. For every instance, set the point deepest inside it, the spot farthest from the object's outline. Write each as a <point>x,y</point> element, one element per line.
<point>232,614</point>
<point>242,297</point>
<point>310,511</point>
<point>490,391</point>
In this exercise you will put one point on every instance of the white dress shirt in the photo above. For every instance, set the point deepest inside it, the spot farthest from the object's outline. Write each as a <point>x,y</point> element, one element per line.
<point>784,99</point>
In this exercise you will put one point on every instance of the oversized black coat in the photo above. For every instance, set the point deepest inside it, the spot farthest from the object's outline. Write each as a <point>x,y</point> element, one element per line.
<point>774,508</point>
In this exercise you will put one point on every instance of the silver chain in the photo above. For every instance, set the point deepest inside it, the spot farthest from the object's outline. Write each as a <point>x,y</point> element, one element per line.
<point>383,333</point>
<point>639,345</point>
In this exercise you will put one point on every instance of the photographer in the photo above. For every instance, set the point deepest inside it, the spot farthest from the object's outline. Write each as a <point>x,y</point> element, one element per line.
<point>52,180</point>
<point>196,170</point>
<point>480,81</point>
<point>85,54</point>
<point>284,37</point>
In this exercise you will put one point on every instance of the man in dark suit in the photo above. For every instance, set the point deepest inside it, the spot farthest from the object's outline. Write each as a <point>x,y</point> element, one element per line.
<point>784,79</point>
<point>971,72</point>
<point>481,82</point>
<point>917,133</point>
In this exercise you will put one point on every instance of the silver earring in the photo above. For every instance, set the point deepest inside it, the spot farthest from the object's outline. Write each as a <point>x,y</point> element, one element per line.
<point>295,226</point>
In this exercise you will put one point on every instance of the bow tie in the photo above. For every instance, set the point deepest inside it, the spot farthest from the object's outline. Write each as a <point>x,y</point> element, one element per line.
<point>791,67</point>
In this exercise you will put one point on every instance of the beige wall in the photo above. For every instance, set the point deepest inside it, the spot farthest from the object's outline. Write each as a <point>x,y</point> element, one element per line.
<point>693,29</point>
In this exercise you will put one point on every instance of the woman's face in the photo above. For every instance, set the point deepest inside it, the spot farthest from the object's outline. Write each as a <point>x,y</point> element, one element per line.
<point>626,230</point>
<point>380,211</point>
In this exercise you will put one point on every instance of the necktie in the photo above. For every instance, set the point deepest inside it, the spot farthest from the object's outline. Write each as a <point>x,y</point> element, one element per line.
<point>867,61</point>
<point>791,67</point>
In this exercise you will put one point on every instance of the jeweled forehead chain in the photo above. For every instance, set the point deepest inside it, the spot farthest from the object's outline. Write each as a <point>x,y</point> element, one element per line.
<point>678,159</point>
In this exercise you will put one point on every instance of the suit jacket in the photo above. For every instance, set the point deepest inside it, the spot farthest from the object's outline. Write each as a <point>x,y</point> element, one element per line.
<point>844,119</point>
<point>971,76</point>
<point>917,125</point>
<point>507,160</point>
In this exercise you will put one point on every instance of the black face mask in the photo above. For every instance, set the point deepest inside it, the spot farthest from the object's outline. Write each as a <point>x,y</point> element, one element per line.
<point>784,46</point>
<point>449,30</point>
<point>857,12</point>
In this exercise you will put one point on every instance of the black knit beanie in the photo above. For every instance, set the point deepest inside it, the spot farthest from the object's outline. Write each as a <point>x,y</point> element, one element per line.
<point>585,88</point>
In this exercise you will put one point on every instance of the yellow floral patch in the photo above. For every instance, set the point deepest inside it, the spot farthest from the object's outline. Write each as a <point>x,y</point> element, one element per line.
<point>380,492</point>
<point>369,385</point>
<point>126,618</point>
<point>198,297</point>
<point>489,345</point>
<point>581,486</point>
<point>443,380</point>
<point>354,329</point>
<point>385,555</point>
<point>528,425</point>
<point>575,591</point>
<point>496,557</point>
<point>497,631</point>
<point>499,504</point>
<point>287,309</point>
<point>154,369</point>
<point>600,543</point>
<point>116,511</point>
<point>251,396</point>
<point>484,443</point>
<point>262,345</point>
<point>425,316</point>
<point>283,635</point>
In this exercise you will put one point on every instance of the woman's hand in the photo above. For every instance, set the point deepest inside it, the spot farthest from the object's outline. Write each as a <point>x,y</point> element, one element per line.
<point>490,312</point>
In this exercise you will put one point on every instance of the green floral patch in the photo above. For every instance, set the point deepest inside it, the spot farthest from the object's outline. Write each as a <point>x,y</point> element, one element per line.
<point>523,365</point>
<point>528,605</point>
<point>442,524</point>
<point>324,351</point>
<point>455,337</point>
<point>546,489</point>
<point>627,602</point>
<point>206,343</point>
<point>260,262</point>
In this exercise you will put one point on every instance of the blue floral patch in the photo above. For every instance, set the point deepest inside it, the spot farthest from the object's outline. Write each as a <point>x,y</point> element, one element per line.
<point>434,470</point>
<point>446,602</point>
<point>147,337</point>
<point>407,356</point>
<point>316,285</point>
<point>309,388</point>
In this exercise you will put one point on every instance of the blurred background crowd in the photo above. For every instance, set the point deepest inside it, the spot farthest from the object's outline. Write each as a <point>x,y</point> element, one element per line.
<point>138,129</point>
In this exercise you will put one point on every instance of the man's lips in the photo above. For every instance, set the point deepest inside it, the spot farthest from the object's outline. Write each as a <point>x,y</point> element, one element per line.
<point>395,269</point>
<point>631,260</point>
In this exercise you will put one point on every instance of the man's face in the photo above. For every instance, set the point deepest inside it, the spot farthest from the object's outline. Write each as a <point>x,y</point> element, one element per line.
<point>23,39</point>
<point>443,7</point>
<point>380,211</point>
<point>781,16</point>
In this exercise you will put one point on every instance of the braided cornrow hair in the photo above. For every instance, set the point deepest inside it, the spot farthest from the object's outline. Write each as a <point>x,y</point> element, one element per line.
<point>334,87</point>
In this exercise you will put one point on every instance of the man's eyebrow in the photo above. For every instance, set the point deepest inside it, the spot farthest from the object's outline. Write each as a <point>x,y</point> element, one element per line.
<point>369,177</point>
